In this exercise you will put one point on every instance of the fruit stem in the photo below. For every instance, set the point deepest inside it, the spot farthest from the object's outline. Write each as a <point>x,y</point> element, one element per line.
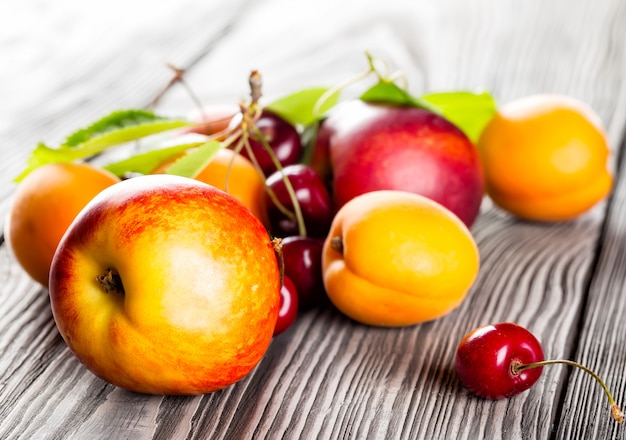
<point>616,412</point>
<point>250,128</point>
<point>282,208</point>
<point>336,244</point>
<point>255,86</point>
<point>386,76</point>
<point>110,282</point>
<point>337,88</point>
<point>277,244</point>
<point>179,74</point>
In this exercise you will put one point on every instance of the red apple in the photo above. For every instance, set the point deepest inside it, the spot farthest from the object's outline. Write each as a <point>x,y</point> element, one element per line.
<point>383,147</point>
<point>166,285</point>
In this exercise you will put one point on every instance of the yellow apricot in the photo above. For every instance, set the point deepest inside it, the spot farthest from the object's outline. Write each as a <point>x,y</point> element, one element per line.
<point>545,158</point>
<point>394,258</point>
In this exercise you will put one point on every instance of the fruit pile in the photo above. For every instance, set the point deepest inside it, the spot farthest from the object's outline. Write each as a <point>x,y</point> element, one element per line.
<point>189,256</point>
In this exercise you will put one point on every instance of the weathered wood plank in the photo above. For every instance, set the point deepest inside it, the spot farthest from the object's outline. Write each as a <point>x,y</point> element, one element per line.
<point>602,335</point>
<point>329,377</point>
<point>68,69</point>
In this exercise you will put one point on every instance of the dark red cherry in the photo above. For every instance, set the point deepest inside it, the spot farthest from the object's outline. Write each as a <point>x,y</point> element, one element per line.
<point>313,200</point>
<point>485,357</point>
<point>502,360</point>
<point>288,311</point>
<point>282,137</point>
<point>302,257</point>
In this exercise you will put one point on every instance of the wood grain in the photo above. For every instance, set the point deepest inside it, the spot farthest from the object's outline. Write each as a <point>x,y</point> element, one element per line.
<point>328,377</point>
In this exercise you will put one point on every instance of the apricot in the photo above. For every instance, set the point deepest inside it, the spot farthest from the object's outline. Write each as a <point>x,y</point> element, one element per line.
<point>233,173</point>
<point>545,158</point>
<point>43,206</point>
<point>395,258</point>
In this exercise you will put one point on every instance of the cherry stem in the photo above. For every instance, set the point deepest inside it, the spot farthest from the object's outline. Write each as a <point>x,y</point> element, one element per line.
<point>178,77</point>
<point>387,76</point>
<point>250,114</point>
<point>255,86</point>
<point>384,77</point>
<point>337,88</point>
<point>517,367</point>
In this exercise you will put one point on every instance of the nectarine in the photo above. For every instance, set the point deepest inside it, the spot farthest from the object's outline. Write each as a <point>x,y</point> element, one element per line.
<point>384,147</point>
<point>164,284</point>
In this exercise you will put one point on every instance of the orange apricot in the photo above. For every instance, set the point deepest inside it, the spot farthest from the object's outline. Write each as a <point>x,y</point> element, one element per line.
<point>42,208</point>
<point>545,158</point>
<point>394,258</point>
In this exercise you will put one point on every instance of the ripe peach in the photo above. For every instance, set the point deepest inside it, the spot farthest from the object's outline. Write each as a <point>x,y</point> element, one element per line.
<point>166,285</point>
<point>395,258</point>
<point>43,206</point>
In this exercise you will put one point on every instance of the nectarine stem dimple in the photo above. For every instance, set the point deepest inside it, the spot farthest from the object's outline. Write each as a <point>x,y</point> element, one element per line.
<point>336,244</point>
<point>111,282</point>
<point>517,367</point>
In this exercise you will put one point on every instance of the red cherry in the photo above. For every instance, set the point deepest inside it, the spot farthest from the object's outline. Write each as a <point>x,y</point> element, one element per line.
<point>288,306</point>
<point>311,195</point>
<point>273,131</point>
<point>302,258</point>
<point>502,360</point>
<point>485,356</point>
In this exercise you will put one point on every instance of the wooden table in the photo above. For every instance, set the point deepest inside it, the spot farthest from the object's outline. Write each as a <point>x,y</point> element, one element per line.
<point>67,63</point>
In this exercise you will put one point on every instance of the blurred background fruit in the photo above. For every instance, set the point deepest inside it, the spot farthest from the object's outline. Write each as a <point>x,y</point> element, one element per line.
<point>545,158</point>
<point>44,205</point>
<point>384,147</point>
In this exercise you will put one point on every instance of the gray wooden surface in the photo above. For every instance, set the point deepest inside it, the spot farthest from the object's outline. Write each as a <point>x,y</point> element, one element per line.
<point>66,63</point>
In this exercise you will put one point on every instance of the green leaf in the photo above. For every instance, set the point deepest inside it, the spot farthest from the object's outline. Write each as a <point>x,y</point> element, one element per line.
<point>115,129</point>
<point>300,108</point>
<point>191,164</point>
<point>145,162</point>
<point>124,125</point>
<point>309,140</point>
<point>118,128</point>
<point>42,154</point>
<point>467,110</point>
<point>391,93</point>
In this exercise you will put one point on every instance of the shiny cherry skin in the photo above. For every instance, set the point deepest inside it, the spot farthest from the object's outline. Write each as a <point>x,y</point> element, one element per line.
<point>486,356</point>
<point>303,265</point>
<point>312,197</point>
<point>282,137</point>
<point>288,311</point>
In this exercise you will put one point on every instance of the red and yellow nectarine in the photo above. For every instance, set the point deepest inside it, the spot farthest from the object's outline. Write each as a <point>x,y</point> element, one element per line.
<point>167,285</point>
